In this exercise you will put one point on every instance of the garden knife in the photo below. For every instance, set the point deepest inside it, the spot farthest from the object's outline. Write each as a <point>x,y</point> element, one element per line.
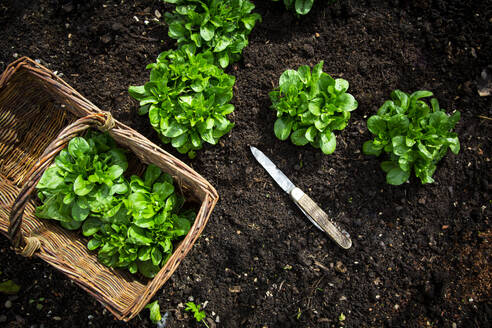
<point>313,212</point>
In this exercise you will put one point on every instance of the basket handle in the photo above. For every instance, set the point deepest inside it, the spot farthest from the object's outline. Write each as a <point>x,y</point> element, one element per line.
<point>102,121</point>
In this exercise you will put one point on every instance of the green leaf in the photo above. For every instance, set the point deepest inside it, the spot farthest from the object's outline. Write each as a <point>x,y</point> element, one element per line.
<point>71,225</point>
<point>93,244</point>
<point>91,226</point>
<point>50,179</point>
<point>9,287</point>
<point>289,79</point>
<point>347,102</point>
<point>368,148</point>
<point>282,128</point>
<point>424,151</point>
<point>155,311</point>
<point>396,176</point>
<point>341,85</point>
<point>148,269</point>
<point>163,189</point>
<point>137,236</point>
<point>298,137</point>
<point>144,253</point>
<point>222,44</point>
<point>176,30</point>
<point>179,141</point>
<point>454,144</point>
<point>398,125</point>
<point>399,145</point>
<point>376,124</point>
<point>78,147</point>
<point>156,256</point>
<point>175,129</point>
<point>114,172</point>
<point>207,32</point>
<point>401,99</point>
<point>119,188</point>
<point>420,94</point>
<point>78,213</point>
<point>328,142</point>
<point>311,133</point>
<point>387,166</point>
<point>303,6</point>
<point>82,187</point>
<point>314,108</point>
<point>138,92</point>
<point>223,59</point>
<point>304,73</point>
<point>152,173</point>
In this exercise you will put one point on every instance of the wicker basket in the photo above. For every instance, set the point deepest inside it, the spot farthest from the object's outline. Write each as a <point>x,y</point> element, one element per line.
<point>39,114</point>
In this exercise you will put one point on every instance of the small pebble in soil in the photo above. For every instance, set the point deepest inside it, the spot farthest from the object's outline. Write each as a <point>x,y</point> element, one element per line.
<point>340,267</point>
<point>8,304</point>
<point>56,318</point>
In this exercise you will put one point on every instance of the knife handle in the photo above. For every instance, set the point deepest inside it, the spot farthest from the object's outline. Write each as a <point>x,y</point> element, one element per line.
<point>316,214</point>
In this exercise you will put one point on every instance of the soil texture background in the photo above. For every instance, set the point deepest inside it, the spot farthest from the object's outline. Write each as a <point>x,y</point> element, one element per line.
<point>421,253</point>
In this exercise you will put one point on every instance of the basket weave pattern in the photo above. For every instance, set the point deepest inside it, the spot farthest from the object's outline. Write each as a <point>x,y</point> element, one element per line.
<point>39,114</point>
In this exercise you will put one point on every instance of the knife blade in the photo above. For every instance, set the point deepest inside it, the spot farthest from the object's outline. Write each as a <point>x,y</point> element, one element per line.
<point>312,211</point>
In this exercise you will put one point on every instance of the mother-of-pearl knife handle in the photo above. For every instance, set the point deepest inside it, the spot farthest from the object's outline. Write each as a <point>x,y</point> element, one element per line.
<point>320,218</point>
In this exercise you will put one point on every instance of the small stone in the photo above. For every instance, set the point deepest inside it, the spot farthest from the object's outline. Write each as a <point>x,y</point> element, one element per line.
<point>15,55</point>
<point>340,267</point>
<point>157,14</point>
<point>235,289</point>
<point>8,304</point>
<point>249,169</point>
<point>396,307</point>
<point>90,317</point>
<point>56,318</point>
<point>421,201</point>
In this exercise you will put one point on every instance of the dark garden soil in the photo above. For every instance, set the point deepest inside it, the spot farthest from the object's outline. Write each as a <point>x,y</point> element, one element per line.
<point>421,253</point>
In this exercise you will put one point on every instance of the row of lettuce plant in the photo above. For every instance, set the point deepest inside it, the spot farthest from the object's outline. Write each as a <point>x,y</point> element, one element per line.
<point>416,136</point>
<point>188,96</point>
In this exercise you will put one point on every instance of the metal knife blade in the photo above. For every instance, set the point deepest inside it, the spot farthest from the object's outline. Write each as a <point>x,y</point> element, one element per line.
<point>312,211</point>
<point>272,169</point>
